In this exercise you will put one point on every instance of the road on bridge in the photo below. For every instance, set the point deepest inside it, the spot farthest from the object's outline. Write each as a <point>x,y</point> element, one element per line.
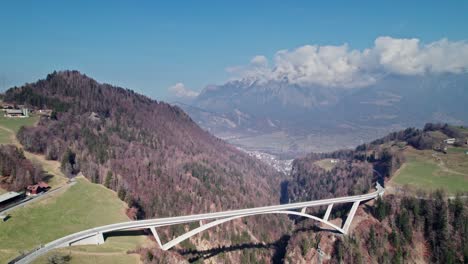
<point>95,235</point>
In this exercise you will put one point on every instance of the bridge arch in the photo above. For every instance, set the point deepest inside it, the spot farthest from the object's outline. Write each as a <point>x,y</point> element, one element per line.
<point>209,225</point>
<point>95,235</point>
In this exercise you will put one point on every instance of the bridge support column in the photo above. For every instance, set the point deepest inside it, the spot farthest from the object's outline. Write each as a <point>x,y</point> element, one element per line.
<point>350,217</point>
<point>303,210</point>
<point>100,238</point>
<point>328,212</point>
<point>96,239</point>
<point>156,236</point>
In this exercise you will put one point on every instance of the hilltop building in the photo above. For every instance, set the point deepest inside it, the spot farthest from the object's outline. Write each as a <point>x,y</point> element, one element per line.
<point>450,141</point>
<point>44,112</point>
<point>24,112</point>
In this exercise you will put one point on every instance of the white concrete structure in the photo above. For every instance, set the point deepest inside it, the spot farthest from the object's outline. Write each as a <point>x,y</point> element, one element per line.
<point>8,196</point>
<point>450,141</point>
<point>24,112</point>
<point>96,235</point>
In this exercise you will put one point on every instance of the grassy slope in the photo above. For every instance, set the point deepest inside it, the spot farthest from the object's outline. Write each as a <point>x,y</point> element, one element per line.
<point>50,167</point>
<point>82,206</point>
<point>426,171</point>
<point>325,164</point>
<point>8,129</point>
<point>14,124</point>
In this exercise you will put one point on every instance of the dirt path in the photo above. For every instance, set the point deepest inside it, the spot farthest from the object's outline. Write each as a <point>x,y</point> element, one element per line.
<point>443,167</point>
<point>13,139</point>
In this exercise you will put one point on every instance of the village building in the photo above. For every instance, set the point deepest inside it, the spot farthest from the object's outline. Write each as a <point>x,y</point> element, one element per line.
<point>450,141</point>
<point>9,198</point>
<point>24,112</point>
<point>7,106</point>
<point>44,112</point>
<point>37,188</point>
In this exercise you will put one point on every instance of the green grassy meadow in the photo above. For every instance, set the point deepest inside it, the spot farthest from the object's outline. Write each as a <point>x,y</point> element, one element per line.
<point>426,172</point>
<point>15,124</point>
<point>325,164</point>
<point>82,206</point>
<point>12,125</point>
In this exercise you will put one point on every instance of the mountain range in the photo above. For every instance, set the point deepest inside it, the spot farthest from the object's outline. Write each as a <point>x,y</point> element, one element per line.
<point>161,163</point>
<point>294,119</point>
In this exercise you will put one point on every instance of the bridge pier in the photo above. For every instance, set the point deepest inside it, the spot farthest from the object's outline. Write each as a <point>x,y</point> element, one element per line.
<point>328,212</point>
<point>95,236</point>
<point>156,236</point>
<point>350,217</point>
<point>96,239</point>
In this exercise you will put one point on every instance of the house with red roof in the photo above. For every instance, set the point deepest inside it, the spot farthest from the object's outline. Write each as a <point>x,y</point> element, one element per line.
<point>37,188</point>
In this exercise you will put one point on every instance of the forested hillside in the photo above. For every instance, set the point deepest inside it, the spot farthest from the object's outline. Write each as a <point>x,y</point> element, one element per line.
<point>355,171</point>
<point>16,171</point>
<point>162,164</point>
<point>158,160</point>
<point>395,229</point>
<point>400,228</point>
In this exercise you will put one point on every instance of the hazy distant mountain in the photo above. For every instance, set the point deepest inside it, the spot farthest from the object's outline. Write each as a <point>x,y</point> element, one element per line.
<point>265,106</point>
<point>247,108</point>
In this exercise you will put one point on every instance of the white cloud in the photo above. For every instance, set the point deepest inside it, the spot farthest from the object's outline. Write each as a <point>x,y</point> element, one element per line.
<point>340,66</point>
<point>409,57</point>
<point>179,90</point>
<point>259,61</point>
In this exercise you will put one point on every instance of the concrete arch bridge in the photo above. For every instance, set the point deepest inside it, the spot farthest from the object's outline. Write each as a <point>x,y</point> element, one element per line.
<point>96,235</point>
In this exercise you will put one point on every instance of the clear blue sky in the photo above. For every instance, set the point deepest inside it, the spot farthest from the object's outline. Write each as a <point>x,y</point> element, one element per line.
<point>150,45</point>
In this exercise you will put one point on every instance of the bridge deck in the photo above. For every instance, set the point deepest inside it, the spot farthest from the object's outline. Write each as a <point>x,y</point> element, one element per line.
<point>95,234</point>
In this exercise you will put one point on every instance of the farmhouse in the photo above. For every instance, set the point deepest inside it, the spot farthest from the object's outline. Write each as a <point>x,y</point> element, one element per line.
<point>24,112</point>
<point>37,188</point>
<point>450,141</point>
<point>44,112</point>
<point>7,106</point>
